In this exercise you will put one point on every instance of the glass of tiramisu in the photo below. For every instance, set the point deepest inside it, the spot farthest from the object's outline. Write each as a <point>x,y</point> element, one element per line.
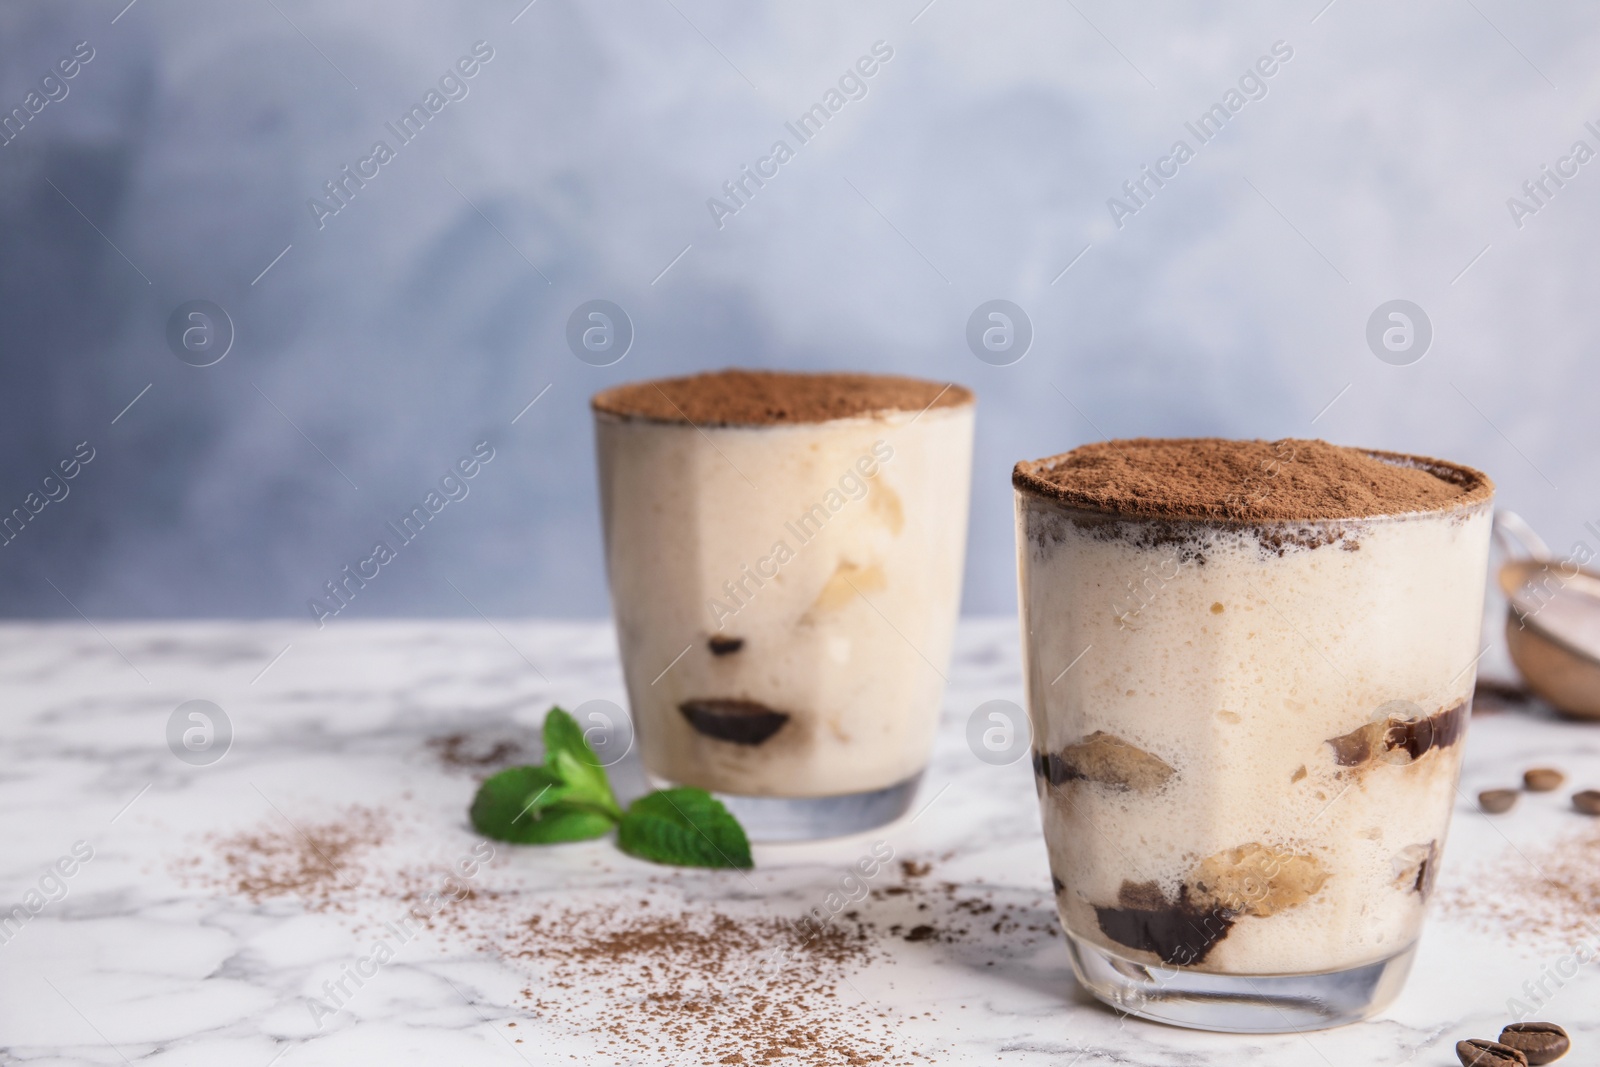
<point>785,556</point>
<point>1249,669</point>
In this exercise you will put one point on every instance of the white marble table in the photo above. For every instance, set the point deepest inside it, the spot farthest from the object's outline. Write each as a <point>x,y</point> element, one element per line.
<point>140,961</point>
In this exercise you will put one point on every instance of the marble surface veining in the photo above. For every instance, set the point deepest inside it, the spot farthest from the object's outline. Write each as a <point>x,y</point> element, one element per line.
<point>136,963</point>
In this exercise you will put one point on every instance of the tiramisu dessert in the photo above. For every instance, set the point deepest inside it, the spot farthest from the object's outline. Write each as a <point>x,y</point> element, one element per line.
<point>785,556</point>
<point>1249,669</point>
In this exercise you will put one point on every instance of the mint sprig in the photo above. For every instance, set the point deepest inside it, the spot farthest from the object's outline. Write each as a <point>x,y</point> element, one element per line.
<point>569,798</point>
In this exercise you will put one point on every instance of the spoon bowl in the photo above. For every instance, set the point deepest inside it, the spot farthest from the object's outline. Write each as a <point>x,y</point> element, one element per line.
<point>1553,632</point>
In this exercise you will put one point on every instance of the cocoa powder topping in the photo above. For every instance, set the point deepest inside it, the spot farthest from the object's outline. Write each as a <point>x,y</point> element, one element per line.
<point>1213,479</point>
<point>766,398</point>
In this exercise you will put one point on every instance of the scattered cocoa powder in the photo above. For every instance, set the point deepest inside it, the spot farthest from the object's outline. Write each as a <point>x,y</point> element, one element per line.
<point>722,988</point>
<point>765,398</point>
<point>476,752</point>
<point>732,983</point>
<point>316,861</point>
<point>1218,480</point>
<point>1548,894</point>
<point>671,970</point>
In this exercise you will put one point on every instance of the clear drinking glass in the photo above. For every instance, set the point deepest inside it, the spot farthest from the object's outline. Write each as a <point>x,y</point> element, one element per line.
<point>785,598</point>
<point>1247,773</point>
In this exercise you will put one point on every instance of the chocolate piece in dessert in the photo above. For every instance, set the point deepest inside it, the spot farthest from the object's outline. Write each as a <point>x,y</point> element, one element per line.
<point>725,646</point>
<point>1416,867</point>
<point>1180,932</point>
<point>1387,739</point>
<point>743,722</point>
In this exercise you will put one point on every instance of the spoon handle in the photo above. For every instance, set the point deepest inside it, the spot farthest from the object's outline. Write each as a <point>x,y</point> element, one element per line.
<point>1516,538</point>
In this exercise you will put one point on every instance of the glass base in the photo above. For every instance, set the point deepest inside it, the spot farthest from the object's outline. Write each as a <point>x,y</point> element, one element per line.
<point>1239,1003</point>
<point>774,819</point>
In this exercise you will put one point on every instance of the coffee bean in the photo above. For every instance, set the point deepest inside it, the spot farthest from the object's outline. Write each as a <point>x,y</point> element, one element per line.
<point>1543,779</point>
<point>1497,801</point>
<point>1481,1053</point>
<point>1587,801</point>
<point>1539,1042</point>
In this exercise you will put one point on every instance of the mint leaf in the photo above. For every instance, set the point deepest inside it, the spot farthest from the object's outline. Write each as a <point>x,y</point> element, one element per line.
<point>565,822</point>
<point>530,806</point>
<point>568,754</point>
<point>562,733</point>
<point>685,827</point>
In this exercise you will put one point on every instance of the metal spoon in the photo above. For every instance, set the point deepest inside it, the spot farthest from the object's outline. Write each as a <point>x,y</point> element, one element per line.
<point>1552,619</point>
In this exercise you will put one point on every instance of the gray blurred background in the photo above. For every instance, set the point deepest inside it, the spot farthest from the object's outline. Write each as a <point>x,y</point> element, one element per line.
<point>372,351</point>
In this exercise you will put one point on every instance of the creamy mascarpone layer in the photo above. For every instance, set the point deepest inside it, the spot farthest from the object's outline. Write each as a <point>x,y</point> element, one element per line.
<point>831,552</point>
<point>1235,664</point>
